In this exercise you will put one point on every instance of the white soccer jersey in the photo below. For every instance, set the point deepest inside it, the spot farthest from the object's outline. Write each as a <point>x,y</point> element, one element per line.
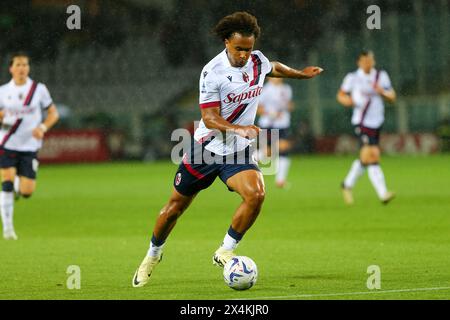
<point>22,107</point>
<point>368,108</point>
<point>275,101</point>
<point>236,92</point>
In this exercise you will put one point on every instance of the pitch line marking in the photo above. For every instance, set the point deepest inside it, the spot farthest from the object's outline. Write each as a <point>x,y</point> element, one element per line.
<point>348,293</point>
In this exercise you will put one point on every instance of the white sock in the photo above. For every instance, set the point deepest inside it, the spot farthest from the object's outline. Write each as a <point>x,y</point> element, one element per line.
<point>283,169</point>
<point>229,243</point>
<point>356,171</point>
<point>377,178</point>
<point>7,209</point>
<point>154,251</point>
<point>17,185</point>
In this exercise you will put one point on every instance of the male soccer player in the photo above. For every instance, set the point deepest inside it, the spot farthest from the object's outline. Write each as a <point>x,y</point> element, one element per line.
<point>275,107</point>
<point>364,90</point>
<point>22,102</point>
<point>229,88</point>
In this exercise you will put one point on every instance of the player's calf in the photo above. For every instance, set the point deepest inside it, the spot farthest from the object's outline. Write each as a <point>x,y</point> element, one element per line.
<point>25,188</point>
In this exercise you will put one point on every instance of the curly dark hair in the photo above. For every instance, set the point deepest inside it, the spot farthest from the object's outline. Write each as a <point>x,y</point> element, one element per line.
<point>239,22</point>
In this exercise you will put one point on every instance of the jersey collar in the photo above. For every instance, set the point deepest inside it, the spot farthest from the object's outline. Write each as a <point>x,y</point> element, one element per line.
<point>362,73</point>
<point>13,84</point>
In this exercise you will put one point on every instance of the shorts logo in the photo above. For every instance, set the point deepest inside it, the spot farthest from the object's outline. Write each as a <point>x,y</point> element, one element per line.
<point>178,179</point>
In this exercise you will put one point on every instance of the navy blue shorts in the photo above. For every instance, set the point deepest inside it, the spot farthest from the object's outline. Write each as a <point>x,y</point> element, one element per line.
<point>25,162</point>
<point>196,172</point>
<point>367,136</point>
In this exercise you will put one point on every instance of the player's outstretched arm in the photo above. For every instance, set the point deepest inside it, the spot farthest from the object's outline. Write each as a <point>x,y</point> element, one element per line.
<point>52,118</point>
<point>280,70</point>
<point>213,120</point>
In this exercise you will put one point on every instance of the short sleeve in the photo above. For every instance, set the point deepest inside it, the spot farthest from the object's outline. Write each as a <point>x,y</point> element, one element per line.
<point>385,81</point>
<point>347,84</point>
<point>45,98</point>
<point>266,66</point>
<point>209,90</point>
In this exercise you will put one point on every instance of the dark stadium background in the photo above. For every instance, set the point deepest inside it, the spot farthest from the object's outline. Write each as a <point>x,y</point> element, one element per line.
<point>131,72</point>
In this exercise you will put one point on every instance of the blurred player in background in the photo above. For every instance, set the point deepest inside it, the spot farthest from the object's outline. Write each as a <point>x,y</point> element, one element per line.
<point>230,85</point>
<point>364,90</point>
<point>275,107</point>
<point>22,104</point>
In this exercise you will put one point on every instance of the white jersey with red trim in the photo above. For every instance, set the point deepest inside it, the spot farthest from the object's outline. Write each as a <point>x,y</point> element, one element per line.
<point>22,112</point>
<point>275,100</point>
<point>236,92</point>
<point>368,109</point>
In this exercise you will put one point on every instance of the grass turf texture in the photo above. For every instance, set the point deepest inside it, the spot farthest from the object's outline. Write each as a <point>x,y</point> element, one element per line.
<point>305,241</point>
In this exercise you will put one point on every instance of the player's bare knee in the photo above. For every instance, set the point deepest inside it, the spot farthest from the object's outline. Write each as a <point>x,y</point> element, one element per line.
<point>256,198</point>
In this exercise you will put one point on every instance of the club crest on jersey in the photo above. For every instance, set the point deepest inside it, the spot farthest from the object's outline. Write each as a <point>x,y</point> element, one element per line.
<point>245,76</point>
<point>178,179</point>
<point>20,96</point>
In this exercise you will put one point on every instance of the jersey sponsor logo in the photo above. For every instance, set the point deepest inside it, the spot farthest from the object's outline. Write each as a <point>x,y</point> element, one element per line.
<point>19,113</point>
<point>233,98</point>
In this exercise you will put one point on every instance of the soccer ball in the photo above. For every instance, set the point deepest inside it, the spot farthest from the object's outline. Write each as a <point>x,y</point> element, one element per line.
<point>240,273</point>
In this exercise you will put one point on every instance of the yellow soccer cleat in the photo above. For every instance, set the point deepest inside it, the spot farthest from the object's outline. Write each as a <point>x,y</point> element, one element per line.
<point>143,273</point>
<point>222,256</point>
<point>347,194</point>
<point>388,197</point>
<point>10,234</point>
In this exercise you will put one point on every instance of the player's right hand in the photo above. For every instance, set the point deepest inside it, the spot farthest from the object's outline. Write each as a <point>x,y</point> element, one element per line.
<point>311,72</point>
<point>248,132</point>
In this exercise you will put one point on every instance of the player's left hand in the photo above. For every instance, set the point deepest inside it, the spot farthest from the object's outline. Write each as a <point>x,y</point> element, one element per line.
<point>38,133</point>
<point>311,72</point>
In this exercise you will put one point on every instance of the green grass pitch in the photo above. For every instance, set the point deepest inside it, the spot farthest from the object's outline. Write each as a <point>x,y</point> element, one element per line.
<point>306,242</point>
